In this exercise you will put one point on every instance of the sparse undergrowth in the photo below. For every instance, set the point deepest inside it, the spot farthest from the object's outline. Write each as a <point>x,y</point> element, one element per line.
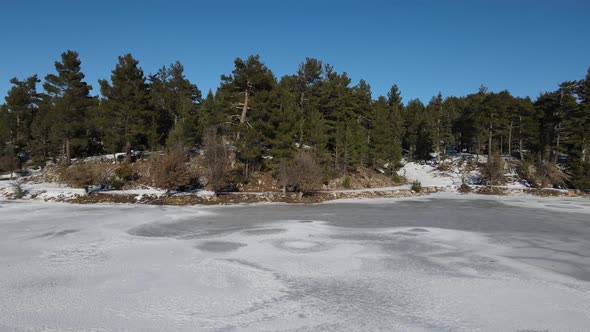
<point>416,186</point>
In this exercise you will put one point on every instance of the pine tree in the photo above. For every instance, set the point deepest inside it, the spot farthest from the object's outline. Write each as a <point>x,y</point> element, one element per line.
<point>21,103</point>
<point>41,145</point>
<point>418,139</point>
<point>394,101</point>
<point>127,116</point>
<point>305,88</point>
<point>249,77</point>
<point>5,130</point>
<point>385,144</point>
<point>69,103</point>
<point>177,101</point>
<point>282,131</point>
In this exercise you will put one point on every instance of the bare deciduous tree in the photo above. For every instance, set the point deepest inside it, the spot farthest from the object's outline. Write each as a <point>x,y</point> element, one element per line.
<point>216,160</point>
<point>305,174</point>
<point>8,163</point>
<point>493,170</point>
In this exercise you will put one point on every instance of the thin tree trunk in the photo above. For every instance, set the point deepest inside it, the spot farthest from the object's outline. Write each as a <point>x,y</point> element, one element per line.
<point>302,119</point>
<point>490,138</point>
<point>67,154</point>
<point>584,150</point>
<point>520,138</point>
<point>128,151</point>
<point>556,149</point>
<point>17,130</point>
<point>510,142</point>
<point>438,138</point>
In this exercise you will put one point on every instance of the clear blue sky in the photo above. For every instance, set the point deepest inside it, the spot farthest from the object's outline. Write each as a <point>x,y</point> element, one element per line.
<point>422,46</point>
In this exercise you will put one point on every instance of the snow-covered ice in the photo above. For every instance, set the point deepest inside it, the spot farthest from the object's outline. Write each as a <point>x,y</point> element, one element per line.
<point>445,262</point>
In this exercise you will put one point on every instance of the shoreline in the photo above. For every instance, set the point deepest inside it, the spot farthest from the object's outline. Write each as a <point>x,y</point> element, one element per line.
<point>74,196</point>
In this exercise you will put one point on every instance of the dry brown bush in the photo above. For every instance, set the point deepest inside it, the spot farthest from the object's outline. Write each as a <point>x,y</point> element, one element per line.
<point>305,174</point>
<point>83,174</point>
<point>464,188</point>
<point>8,164</point>
<point>542,175</point>
<point>170,171</point>
<point>493,171</point>
<point>216,161</point>
<point>444,166</point>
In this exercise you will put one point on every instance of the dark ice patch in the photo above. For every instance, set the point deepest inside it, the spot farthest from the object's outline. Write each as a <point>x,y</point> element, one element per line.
<point>65,232</point>
<point>55,234</point>
<point>219,246</point>
<point>264,231</point>
<point>405,234</point>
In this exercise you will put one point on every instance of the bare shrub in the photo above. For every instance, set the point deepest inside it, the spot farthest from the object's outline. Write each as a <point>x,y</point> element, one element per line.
<point>444,166</point>
<point>464,188</point>
<point>493,171</point>
<point>83,175</point>
<point>543,174</point>
<point>305,173</point>
<point>170,171</point>
<point>8,163</point>
<point>216,160</point>
<point>550,175</point>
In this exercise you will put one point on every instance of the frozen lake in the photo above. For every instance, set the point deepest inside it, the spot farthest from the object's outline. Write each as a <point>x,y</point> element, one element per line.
<point>461,263</point>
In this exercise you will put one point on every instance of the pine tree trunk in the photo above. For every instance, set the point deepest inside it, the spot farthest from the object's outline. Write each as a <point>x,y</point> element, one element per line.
<point>302,120</point>
<point>17,130</point>
<point>438,138</point>
<point>584,150</point>
<point>520,138</point>
<point>490,138</point>
<point>510,142</point>
<point>67,154</point>
<point>336,150</point>
<point>128,151</point>
<point>244,112</point>
<point>556,149</point>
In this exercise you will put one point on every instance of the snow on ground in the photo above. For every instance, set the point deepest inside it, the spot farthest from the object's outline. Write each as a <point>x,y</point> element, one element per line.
<point>423,265</point>
<point>427,175</point>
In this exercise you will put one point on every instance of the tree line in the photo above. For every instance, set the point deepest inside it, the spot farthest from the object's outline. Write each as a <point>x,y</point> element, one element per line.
<point>269,120</point>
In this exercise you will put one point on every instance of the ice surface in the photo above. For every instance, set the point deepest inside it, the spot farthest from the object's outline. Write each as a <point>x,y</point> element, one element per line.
<point>439,263</point>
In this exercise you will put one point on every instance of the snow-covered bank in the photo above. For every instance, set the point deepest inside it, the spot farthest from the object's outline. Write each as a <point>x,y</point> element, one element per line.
<point>260,268</point>
<point>450,175</point>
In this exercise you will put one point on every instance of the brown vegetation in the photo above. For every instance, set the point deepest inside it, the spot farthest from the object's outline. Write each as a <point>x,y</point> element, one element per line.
<point>82,175</point>
<point>304,173</point>
<point>542,175</point>
<point>216,161</point>
<point>170,171</point>
<point>493,171</point>
<point>8,164</point>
